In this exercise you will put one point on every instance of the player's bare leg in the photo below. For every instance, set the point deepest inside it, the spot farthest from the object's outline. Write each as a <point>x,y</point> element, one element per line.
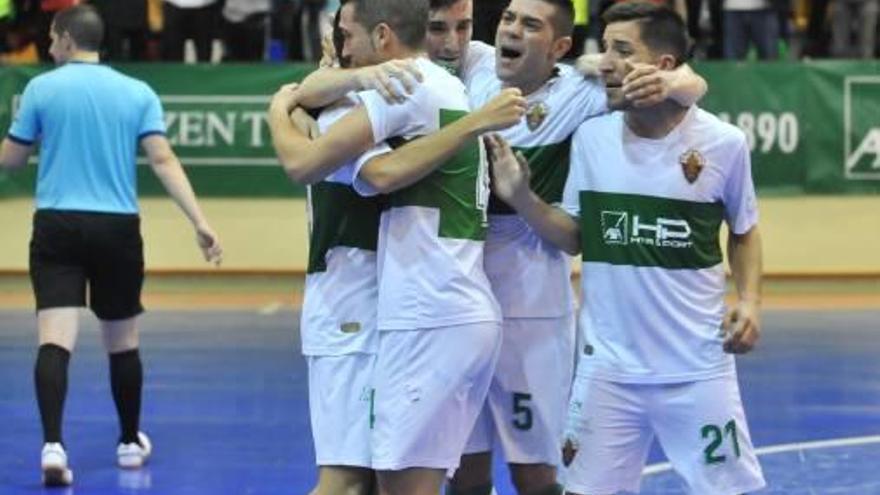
<point>344,480</point>
<point>412,481</point>
<point>473,476</point>
<point>535,479</point>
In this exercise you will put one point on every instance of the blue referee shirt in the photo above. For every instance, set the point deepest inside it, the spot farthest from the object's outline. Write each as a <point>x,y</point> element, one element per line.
<point>89,120</point>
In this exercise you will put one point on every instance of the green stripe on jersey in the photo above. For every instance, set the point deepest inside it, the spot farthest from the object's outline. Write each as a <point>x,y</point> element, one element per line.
<point>549,170</point>
<point>458,188</point>
<point>635,230</point>
<point>340,217</point>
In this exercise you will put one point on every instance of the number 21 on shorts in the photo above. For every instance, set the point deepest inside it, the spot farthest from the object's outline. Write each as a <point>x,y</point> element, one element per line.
<point>716,436</point>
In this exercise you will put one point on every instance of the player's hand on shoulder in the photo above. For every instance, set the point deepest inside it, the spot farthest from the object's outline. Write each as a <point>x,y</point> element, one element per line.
<point>742,327</point>
<point>328,52</point>
<point>510,170</point>
<point>588,65</point>
<point>305,123</point>
<point>504,110</point>
<point>209,243</point>
<point>647,85</point>
<point>285,98</point>
<point>394,79</point>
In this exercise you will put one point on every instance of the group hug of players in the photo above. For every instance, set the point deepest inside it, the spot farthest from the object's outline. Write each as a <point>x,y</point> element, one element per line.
<point>449,183</point>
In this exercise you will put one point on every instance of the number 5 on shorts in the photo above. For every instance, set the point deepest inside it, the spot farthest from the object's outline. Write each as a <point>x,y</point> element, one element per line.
<point>716,435</point>
<point>522,413</point>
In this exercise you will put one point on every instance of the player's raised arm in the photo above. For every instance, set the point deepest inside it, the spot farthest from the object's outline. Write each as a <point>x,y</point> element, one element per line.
<point>413,161</point>
<point>510,181</point>
<point>394,80</point>
<point>307,161</point>
<point>647,85</point>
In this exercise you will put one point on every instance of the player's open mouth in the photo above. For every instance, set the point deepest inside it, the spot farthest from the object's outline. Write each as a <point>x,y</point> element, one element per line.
<point>508,53</point>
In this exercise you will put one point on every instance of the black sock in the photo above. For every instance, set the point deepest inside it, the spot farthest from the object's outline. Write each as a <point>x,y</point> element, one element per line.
<point>126,381</point>
<point>50,378</point>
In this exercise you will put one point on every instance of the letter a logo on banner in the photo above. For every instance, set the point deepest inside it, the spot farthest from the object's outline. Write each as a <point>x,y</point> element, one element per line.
<point>862,128</point>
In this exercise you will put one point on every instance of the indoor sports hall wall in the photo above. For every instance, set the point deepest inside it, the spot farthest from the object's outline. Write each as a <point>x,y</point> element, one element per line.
<point>814,128</point>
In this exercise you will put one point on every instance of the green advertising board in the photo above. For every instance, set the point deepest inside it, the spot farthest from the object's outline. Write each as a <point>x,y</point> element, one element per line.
<point>813,127</point>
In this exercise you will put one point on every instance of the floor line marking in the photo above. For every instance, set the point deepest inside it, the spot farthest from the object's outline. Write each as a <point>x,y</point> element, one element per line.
<point>786,447</point>
<point>270,309</point>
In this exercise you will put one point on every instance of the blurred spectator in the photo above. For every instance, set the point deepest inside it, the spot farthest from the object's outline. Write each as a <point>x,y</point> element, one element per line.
<point>245,24</point>
<point>296,26</point>
<point>816,44</point>
<point>7,16</point>
<point>709,43</point>
<point>310,17</point>
<point>857,17</point>
<point>188,19</point>
<point>37,16</point>
<point>125,24</point>
<point>581,28</point>
<point>19,47</point>
<point>749,22</point>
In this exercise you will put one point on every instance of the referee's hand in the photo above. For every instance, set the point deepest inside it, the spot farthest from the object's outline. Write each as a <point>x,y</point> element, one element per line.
<point>209,243</point>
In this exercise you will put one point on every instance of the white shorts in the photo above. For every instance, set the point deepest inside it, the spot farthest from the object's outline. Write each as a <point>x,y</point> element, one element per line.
<point>340,390</point>
<point>526,409</point>
<point>430,386</point>
<point>701,427</point>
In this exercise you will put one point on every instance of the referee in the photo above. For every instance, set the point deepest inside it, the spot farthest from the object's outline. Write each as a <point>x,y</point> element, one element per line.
<point>89,120</point>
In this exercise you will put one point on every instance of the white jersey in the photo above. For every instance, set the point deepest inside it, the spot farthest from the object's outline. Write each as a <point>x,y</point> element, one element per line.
<point>530,277</point>
<point>650,212</point>
<point>477,63</point>
<point>339,308</point>
<point>431,234</point>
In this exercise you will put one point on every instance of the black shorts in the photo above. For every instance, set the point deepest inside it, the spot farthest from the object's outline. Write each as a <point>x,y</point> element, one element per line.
<point>71,251</point>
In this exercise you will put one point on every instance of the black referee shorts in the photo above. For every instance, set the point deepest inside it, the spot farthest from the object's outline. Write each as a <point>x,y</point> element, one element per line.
<point>79,256</point>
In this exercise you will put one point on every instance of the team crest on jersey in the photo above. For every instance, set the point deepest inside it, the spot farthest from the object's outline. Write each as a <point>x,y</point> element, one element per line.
<point>692,164</point>
<point>536,114</point>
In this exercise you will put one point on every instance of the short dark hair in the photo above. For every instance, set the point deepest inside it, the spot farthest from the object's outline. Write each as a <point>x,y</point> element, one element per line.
<point>563,19</point>
<point>407,18</point>
<point>442,4</point>
<point>338,36</point>
<point>661,29</point>
<point>84,25</point>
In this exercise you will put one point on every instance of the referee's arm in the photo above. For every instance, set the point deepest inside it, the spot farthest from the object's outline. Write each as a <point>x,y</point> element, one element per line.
<point>14,155</point>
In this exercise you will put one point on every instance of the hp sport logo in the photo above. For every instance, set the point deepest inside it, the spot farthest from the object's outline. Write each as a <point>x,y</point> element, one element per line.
<point>621,228</point>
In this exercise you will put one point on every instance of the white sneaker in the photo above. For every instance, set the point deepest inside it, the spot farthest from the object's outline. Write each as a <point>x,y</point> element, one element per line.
<point>134,455</point>
<point>54,465</point>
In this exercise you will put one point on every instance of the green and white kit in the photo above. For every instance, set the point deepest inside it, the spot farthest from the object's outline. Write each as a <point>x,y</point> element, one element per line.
<point>338,323</point>
<point>434,297</point>
<point>650,212</point>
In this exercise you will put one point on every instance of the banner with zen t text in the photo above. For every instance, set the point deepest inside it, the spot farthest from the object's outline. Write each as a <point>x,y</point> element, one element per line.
<point>813,127</point>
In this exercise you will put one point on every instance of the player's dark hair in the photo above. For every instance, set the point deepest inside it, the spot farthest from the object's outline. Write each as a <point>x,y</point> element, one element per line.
<point>338,37</point>
<point>563,18</point>
<point>83,24</point>
<point>407,18</point>
<point>442,4</point>
<point>661,29</point>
